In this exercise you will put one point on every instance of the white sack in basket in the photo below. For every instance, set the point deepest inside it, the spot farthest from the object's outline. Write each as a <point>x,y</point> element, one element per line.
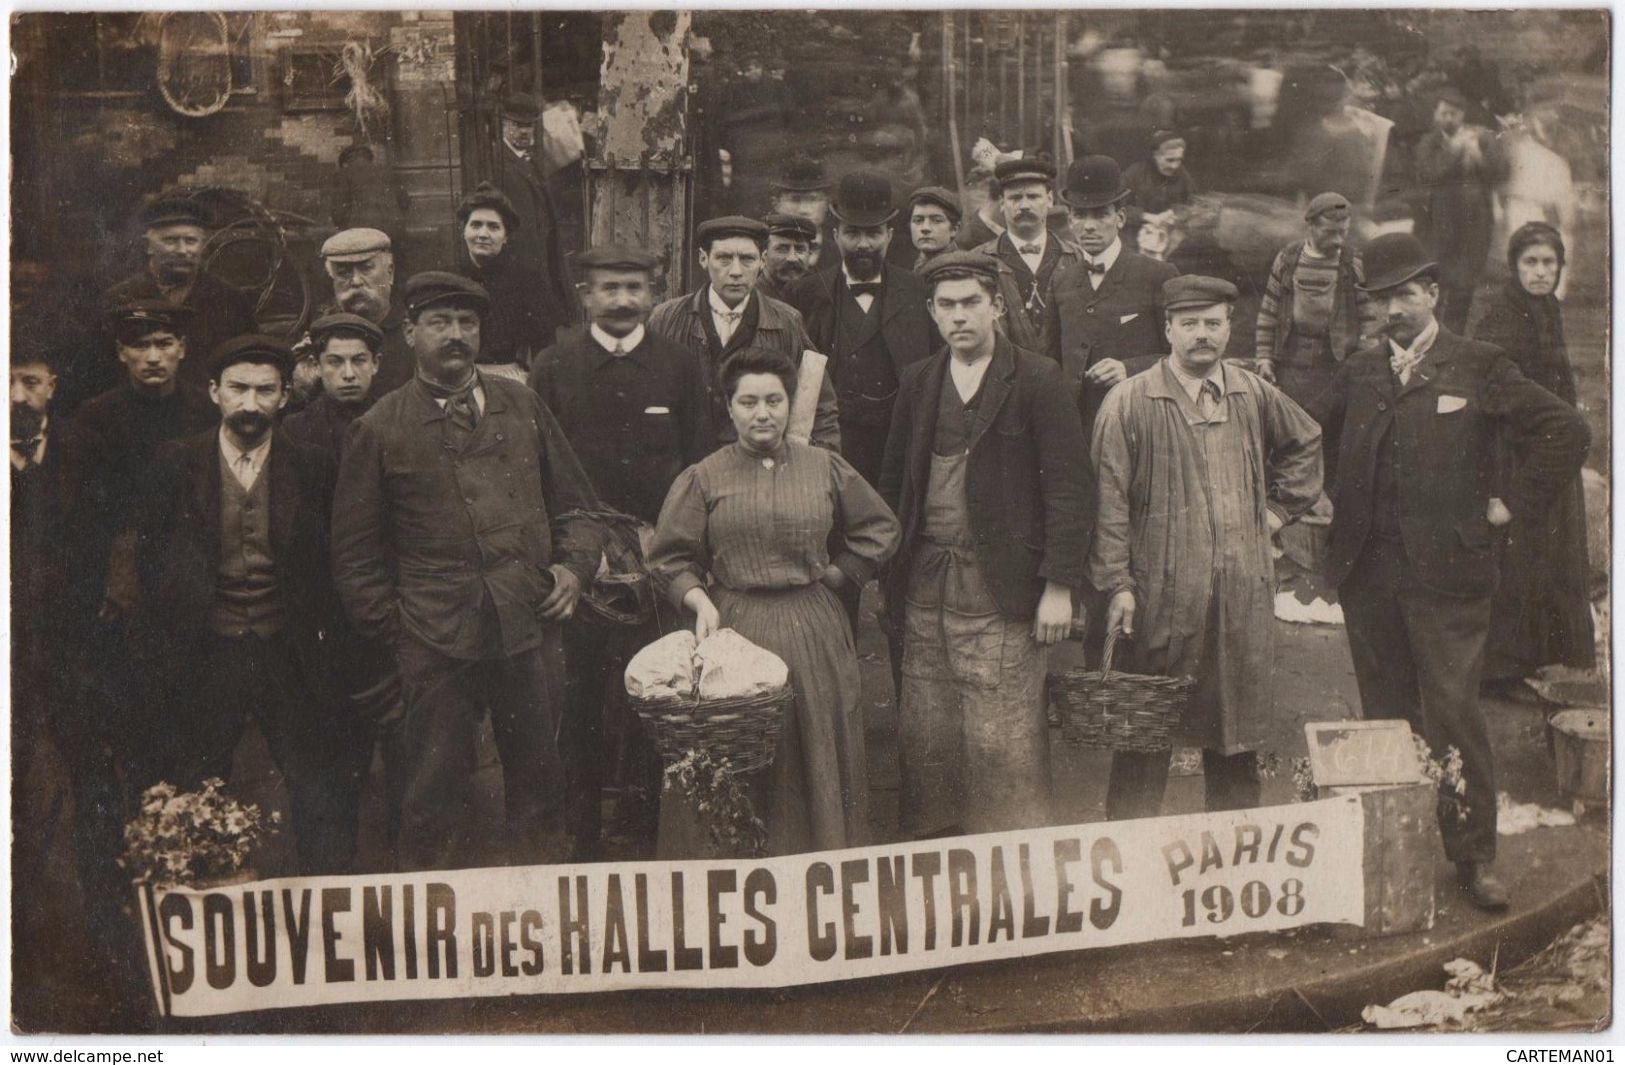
<point>664,669</point>
<point>731,667</point>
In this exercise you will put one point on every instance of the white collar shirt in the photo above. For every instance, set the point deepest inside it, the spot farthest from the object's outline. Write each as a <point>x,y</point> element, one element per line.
<point>245,465</point>
<point>1107,258</point>
<point>967,376</point>
<point>724,317</point>
<point>618,345</point>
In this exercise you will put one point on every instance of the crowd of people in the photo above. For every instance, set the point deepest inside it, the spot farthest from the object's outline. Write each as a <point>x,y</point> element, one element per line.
<point>373,539</point>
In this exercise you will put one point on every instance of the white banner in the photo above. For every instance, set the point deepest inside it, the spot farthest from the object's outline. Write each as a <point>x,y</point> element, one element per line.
<point>802,919</point>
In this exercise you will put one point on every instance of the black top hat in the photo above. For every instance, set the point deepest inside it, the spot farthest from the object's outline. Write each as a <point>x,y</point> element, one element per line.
<point>172,211</point>
<point>437,286</point>
<point>864,199</point>
<point>1094,181</point>
<point>342,324</point>
<point>802,173</point>
<point>488,197</point>
<point>1393,259</point>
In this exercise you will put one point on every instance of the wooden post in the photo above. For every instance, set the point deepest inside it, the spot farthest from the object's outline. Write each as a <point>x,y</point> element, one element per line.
<point>640,173</point>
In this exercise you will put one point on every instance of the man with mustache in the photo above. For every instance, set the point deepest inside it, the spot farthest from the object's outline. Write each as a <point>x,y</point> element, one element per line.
<point>788,256</point>
<point>635,408</point>
<point>361,265</point>
<point>1419,418</point>
<point>802,190</point>
<point>1032,254</point>
<point>1199,465</point>
<point>239,615</point>
<point>175,231</point>
<point>455,542</point>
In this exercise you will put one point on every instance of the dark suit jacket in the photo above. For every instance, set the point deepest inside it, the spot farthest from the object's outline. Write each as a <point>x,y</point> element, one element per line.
<point>537,236</point>
<point>1121,320</point>
<point>178,553</point>
<point>1445,420</point>
<point>1027,482</point>
<point>906,325</point>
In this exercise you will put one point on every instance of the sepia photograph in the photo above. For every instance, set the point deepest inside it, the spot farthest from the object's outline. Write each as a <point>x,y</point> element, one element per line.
<point>884,523</point>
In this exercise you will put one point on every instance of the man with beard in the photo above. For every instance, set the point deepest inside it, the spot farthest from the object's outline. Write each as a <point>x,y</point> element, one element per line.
<point>803,190</point>
<point>454,541</point>
<point>788,255</point>
<point>727,315</point>
<point>634,406</point>
<point>345,349</point>
<point>361,265</point>
<point>1458,167</point>
<point>519,177</point>
<point>1031,253</point>
<point>239,614</point>
<point>522,319</point>
<point>1420,419</point>
<point>1199,464</point>
<point>175,232</point>
<point>933,222</point>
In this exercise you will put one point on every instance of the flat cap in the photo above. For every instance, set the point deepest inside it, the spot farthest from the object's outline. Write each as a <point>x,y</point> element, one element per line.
<point>250,347</point>
<point>1324,203</point>
<point>733,225</point>
<point>342,324</point>
<point>355,245</point>
<point>617,257</point>
<point>1027,168</point>
<point>1194,290</point>
<point>780,224</point>
<point>952,264</point>
<point>522,106</point>
<point>438,286</point>
<point>940,196</point>
<point>1163,136</point>
<point>173,211</point>
<point>123,315</point>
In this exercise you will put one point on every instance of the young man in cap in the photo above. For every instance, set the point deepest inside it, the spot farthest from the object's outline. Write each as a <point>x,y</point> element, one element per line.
<point>985,467</point>
<point>933,222</point>
<point>238,613</point>
<point>361,265</point>
<point>1160,182</point>
<point>523,318</point>
<point>727,315</point>
<point>1458,167</point>
<point>1199,465</point>
<point>635,407</point>
<point>1313,314</point>
<point>802,190</point>
<point>175,231</point>
<point>788,255</point>
<point>1103,318</point>
<point>345,350</point>
<point>1031,252</point>
<point>1419,418</point>
<point>519,177</point>
<point>454,541</point>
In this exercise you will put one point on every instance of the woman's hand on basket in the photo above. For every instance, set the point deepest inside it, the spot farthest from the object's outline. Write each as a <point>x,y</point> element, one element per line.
<point>706,618</point>
<point>1120,613</point>
<point>1054,618</point>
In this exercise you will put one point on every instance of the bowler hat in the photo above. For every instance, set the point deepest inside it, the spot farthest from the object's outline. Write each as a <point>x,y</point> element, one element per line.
<point>173,211</point>
<point>802,173</point>
<point>437,286</point>
<point>342,324</point>
<point>487,196</point>
<point>940,196</point>
<point>1094,181</point>
<point>863,198</point>
<point>732,225</point>
<point>1025,168</point>
<point>956,264</point>
<point>1393,259</point>
<point>1194,290</point>
<point>251,347</point>
<point>1325,203</point>
<point>616,257</point>
<point>521,107</point>
<point>355,245</point>
<point>780,224</point>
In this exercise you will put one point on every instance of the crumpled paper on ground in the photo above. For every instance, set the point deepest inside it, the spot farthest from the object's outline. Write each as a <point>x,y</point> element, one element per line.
<point>724,666</point>
<point>1512,818</point>
<point>1319,612</point>
<point>1469,988</point>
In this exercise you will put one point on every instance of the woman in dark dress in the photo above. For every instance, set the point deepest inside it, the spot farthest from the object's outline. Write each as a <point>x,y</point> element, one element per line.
<point>755,518</point>
<point>521,320</point>
<point>1542,610</point>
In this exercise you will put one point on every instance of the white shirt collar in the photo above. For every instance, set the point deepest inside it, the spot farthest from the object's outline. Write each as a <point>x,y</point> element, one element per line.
<point>1421,345</point>
<point>234,455</point>
<point>1107,258</point>
<point>626,343</point>
<point>850,280</point>
<point>720,308</point>
<point>967,377</point>
<point>1193,385</point>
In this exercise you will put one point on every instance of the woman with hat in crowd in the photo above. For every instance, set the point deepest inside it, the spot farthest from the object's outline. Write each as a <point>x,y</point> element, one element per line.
<point>523,316</point>
<point>744,542</point>
<point>1542,610</point>
<point>1160,181</point>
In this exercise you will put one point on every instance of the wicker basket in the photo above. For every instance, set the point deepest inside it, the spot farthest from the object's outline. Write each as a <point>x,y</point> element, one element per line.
<point>745,731</point>
<point>1119,711</point>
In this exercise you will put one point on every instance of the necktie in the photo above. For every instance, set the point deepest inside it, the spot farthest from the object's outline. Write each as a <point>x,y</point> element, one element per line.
<point>1097,269</point>
<point>1031,249</point>
<point>1207,400</point>
<point>1403,361</point>
<point>245,470</point>
<point>864,288</point>
<point>463,411</point>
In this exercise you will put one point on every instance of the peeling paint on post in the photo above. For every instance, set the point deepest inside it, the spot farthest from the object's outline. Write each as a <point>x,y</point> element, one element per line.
<point>641,169</point>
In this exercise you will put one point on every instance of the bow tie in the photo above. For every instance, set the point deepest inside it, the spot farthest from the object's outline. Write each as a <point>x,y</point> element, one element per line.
<point>863,288</point>
<point>26,448</point>
<point>1031,249</point>
<point>1098,269</point>
<point>730,316</point>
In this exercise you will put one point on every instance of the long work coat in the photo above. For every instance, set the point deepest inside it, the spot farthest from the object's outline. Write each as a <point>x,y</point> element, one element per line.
<point>1182,523</point>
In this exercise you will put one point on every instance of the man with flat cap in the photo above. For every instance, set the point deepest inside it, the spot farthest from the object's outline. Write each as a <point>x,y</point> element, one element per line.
<point>453,540</point>
<point>1419,417</point>
<point>788,255</point>
<point>523,316</point>
<point>801,189</point>
<point>520,178</point>
<point>345,348</point>
<point>1458,167</point>
<point>727,315</point>
<point>238,614</point>
<point>635,407</point>
<point>1103,316</point>
<point>361,265</point>
<point>1314,313</point>
<point>986,469</point>
<point>175,230</point>
<point>1032,253</point>
<point>933,222</point>
<point>1199,464</point>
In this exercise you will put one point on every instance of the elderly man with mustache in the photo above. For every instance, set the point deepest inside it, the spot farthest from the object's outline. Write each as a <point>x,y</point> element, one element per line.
<point>361,265</point>
<point>1199,464</point>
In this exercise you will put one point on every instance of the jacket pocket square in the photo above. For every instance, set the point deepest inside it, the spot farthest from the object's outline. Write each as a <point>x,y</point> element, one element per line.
<point>1127,318</point>
<point>657,410</point>
<point>1451,404</point>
